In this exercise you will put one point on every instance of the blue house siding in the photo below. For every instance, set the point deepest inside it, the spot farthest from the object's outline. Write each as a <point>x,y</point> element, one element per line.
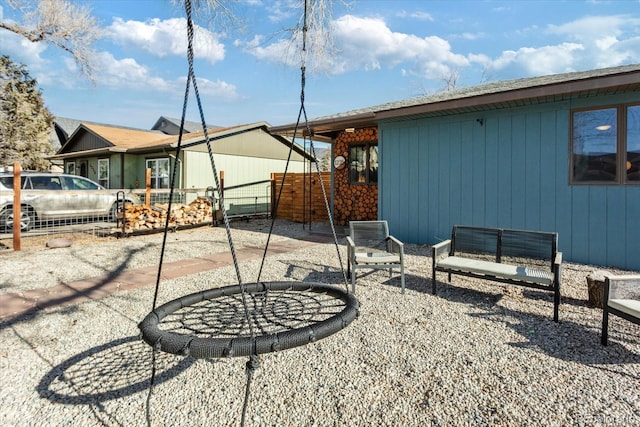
<point>509,169</point>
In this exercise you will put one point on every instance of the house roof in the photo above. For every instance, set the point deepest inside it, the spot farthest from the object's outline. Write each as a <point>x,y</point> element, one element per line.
<point>111,139</point>
<point>64,127</point>
<point>500,94</point>
<point>171,125</point>
<point>114,138</point>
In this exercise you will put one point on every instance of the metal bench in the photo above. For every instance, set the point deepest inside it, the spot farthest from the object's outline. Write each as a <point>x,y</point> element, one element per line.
<point>520,257</point>
<point>622,298</point>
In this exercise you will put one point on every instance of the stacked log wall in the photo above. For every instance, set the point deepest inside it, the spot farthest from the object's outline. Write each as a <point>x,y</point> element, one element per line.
<point>353,201</point>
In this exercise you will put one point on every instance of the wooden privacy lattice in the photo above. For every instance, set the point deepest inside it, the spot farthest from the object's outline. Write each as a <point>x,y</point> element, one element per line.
<point>299,201</point>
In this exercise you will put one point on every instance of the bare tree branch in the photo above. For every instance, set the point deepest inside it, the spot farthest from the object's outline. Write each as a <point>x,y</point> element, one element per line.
<point>60,23</point>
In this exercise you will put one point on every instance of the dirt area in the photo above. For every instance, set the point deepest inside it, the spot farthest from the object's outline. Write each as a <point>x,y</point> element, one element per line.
<point>39,243</point>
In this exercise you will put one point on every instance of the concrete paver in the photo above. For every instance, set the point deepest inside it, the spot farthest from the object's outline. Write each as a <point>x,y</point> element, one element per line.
<point>66,294</point>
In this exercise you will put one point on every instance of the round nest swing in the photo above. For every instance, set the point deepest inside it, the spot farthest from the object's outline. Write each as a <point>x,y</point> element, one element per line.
<point>247,319</point>
<point>212,323</point>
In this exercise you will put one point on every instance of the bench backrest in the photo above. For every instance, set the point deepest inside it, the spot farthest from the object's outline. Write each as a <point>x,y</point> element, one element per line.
<point>501,242</point>
<point>368,233</point>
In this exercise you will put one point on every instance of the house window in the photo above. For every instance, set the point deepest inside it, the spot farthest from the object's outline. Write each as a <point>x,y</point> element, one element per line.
<point>605,145</point>
<point>632,165</point>
<point>70,168</point>
<point>363,164</point>
<point>103,172</point>
<point>159,172</point>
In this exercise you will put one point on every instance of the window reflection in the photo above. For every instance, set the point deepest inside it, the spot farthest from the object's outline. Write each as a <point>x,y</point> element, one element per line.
<point>595,139</point>
<point>363,164</point>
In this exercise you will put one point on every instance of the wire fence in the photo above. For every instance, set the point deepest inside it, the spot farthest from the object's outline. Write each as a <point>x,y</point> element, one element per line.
<point>246,200</point>
<point>252,199</point>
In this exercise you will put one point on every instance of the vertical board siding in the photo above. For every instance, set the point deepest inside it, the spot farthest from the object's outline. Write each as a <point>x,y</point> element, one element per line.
<point>465,173</point>
<point>441,194</point>
<point>616,225</point>
<point>562,200</point>
<point>411,181</point>
<point>548,170</point>
<point>479,170</point>
<point>579,209</point>
<point>492,171</point>
<point>518,170</point>
<point>597,253</point>
<point>532,165</point>
<point>430,178</point>
<point>513,172</point>
<point>632,230</point>
<point>504,173</point>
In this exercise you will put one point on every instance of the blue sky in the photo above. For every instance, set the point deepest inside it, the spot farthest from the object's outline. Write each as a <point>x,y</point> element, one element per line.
<point>382,51</point>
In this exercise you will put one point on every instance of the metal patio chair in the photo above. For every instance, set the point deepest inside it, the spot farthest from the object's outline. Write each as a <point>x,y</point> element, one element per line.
<point>370,246</point>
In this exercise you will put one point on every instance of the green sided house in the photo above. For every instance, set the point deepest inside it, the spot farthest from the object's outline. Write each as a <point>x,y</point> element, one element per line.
<point>118,157</point>
<point>552,153</point>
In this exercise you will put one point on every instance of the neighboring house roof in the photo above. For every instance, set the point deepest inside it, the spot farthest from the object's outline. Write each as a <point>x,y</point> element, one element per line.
<point>171,125</point>
<point>64,127</point>
<point>94,140</point>
<point>506,93</point>
<point>91,138</point>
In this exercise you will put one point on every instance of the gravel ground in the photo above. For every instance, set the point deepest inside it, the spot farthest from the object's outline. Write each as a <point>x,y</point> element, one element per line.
<point>478,353</point>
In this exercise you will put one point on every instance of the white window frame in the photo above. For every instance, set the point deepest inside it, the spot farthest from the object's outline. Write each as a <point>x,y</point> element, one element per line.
<point>103,179</point>
<point>70,168</point>
<point>159,176</point>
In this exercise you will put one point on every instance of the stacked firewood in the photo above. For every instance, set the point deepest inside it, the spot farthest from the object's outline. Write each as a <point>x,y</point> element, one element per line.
<point>141,217</point>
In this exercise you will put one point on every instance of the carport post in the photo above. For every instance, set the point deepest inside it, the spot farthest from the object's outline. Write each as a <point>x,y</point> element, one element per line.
<point>16,206</point>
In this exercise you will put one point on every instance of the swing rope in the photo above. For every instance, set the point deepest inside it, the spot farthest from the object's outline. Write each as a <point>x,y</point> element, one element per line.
<point>302,113</point>
<point>253,362</point>
<point>252,347</point>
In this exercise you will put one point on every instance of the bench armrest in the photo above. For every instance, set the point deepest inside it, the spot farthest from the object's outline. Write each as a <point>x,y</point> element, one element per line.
<point>440,250</point>
<point>557,269</point>
<point>558,261</point>
<point>351,248</point>
<point>350,242</point>
<point>395,246</point>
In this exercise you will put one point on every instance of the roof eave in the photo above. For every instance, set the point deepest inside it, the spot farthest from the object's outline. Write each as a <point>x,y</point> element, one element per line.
<point>96,152</point>
<point>543,91</point>
<point>321,128</point>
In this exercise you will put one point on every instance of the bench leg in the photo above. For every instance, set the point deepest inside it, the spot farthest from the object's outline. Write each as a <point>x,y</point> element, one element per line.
<point>433,280</point>
<point>402,276</point>
<point>605,325</point>
<point>556,304</point>
<point>353,280</point>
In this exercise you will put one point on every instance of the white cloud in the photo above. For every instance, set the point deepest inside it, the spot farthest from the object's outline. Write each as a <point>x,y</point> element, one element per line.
<point>591,27</point>
<point>280,11</point>
<point>369,44</point>
<point>166,37</point>
<point>542,60</point>
<point>127,73</point>
<point>420,16</point>
<point>22,50</point>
